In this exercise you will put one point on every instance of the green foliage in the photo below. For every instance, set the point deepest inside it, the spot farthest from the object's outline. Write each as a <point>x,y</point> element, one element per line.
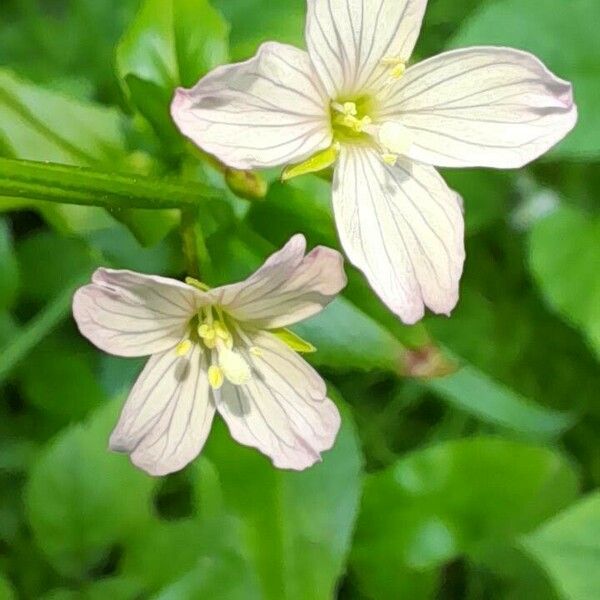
<point>423,511</point>
<point>81,499</point>
<point>297,526</point>
<point>564,257</point>
<point>464,441</point>
<point>509,23</point>
<point>568,546</point>
<point>169,43</point>
<point>9,272</point>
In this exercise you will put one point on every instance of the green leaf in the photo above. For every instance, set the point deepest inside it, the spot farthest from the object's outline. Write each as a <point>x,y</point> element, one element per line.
<point>81,499</point>
<point>489,204</point>
<point>70,258</point>
<point>47,126</point>
<point>363,346</point>
<point>252,24</point>
<point>88,187</point>
<point>535,26</point>
<point>117,588</point>
<point>6,589</point>
<point>457,498</point>
<point>170,43</point>
<point>568,546</point>
<point>564,256</point>
<point>9,269</point>
<point>472,391</point>
<point>297,526</point>
<point>24,339</point>
<point>58,378</point>
<point>223,577</point>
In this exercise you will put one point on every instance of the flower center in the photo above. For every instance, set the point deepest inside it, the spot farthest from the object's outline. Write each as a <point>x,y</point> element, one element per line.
<point>212,329</point>
<point>351,119</point>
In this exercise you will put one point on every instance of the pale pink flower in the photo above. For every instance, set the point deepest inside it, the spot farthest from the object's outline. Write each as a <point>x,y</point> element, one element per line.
<point>220,350</point>
<point>352,100</point>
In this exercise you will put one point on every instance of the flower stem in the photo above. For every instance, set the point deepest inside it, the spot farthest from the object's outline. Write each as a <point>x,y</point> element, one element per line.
<point>194,247</point>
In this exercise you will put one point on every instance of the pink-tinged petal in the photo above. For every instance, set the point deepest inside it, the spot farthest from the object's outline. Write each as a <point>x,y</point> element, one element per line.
<point>487,106</point>
<point>288,288</point>
<point>348,39</point>
<point>268,111</point>
<point>283,411</point>
<point>131,314</point>
<point>403,227</point>
<point>167,417</point>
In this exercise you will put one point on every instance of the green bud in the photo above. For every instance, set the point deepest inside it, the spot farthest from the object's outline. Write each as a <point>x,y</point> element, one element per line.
<point>246,184</point>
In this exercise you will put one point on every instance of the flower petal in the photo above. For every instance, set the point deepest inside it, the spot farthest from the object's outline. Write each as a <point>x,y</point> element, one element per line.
<point>268,111</point>
<point>486,106</point>
<point>283,411</point>
<point>403,227</point>
<point>168,414</point>
<point>288,288</point>
<point>131,314</point>
<point>347,40</point>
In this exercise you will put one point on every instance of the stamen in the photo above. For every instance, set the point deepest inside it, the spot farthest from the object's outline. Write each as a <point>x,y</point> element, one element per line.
<point>183,347</point>
<point>389,159</point>
<point>397,64</point>
<point>256,351</point>
<point>215,377</point>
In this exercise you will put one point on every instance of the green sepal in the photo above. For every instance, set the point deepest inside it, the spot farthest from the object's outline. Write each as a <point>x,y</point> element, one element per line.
<point>317,162</point>
<point>197,284</point>
<point>294,341</point>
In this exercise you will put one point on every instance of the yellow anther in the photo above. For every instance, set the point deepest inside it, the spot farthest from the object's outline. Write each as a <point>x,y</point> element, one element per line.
<point>397,64</point>
<point>256,351</point>
<point>398,71</point>
<point>215,377</point>
<point>389,159</point>
<point>183,348</point>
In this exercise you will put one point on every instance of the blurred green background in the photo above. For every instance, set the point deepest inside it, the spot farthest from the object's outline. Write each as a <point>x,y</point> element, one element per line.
<point>481,484</point>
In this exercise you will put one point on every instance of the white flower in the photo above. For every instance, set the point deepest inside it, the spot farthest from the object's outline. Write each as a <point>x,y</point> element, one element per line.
<point>352,99</point>
<point>213,350</point>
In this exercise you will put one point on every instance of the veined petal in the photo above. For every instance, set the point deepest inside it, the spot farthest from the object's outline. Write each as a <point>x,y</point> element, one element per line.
<point>268,111</point>
<point>131,314</point>
<point>168,414</point>
<point>288,288</point>
<point>403,227</point>
<point>283,411</point>
<point>348,39</point>
<point>485,106</point>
